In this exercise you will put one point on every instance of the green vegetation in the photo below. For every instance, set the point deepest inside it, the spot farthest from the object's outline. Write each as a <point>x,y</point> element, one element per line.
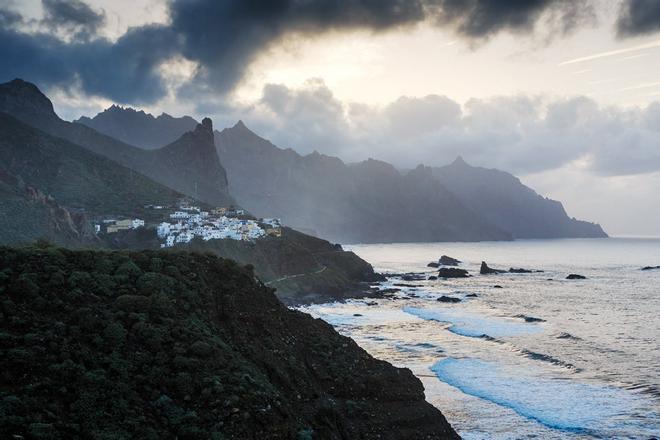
<point>155,344</point>
<point>74,176</point>
<point>302,268</point>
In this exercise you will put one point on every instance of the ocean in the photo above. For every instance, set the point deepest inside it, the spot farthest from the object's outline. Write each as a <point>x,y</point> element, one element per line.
<point>541,357</point>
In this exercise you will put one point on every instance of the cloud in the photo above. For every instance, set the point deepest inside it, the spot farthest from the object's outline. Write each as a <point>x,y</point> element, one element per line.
<point>484,18</point>
<point>520,134</point>
<point>222,38</point>
<point>124,71</point>
<point>73,16</point>
<point>638,17</point>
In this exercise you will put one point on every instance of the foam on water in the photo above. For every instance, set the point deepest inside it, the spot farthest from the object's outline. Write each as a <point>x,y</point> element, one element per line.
<point>472,324</point>
<point>356,313</point>
<point>557,403</point>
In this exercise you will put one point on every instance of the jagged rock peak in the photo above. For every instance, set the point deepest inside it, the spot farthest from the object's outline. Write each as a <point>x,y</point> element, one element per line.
<point>459,161</point>
<point>20,95</point>
<point>206,125</point>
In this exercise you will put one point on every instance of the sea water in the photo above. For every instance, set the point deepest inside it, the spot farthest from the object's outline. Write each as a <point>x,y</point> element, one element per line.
<point>584,364</point>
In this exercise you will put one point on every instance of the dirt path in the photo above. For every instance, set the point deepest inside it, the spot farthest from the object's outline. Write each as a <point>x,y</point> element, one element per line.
<point>288,277</point>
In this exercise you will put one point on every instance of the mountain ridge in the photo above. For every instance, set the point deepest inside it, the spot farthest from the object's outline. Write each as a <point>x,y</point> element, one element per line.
<point>505,201</point>
<point>42,172</point>
<point>27,103</point>
<point>137,127</point>
<point>300,174</point>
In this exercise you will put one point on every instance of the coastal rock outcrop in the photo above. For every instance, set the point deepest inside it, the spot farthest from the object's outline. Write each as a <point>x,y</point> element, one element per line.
<point>575,276</point>
<point>521,270</point>
<point>446,260</point>
<point>485,270</point>
<point>448,299</point>
<point>650,267</point>
<point>452,272</point>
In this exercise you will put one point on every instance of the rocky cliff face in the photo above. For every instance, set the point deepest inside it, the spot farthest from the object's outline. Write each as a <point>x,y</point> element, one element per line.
<point>176,345</point>
<point>25,102</point>
<point>139,128</point>
<point>199,170</point>
<point>365,202</point>
<point>28,214</point>
<point>504,201</point>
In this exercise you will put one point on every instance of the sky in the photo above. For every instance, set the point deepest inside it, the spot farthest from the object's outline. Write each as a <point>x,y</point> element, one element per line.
<point>564,94</point>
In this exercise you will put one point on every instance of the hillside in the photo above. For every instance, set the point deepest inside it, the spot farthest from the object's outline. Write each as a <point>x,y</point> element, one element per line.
<point>50,186</point>
<point>504,201</point>
<point>25,102</point>
<point>303,269</point>
<point>177,345</point>
<point>366,202</point>
<point>139,128</point>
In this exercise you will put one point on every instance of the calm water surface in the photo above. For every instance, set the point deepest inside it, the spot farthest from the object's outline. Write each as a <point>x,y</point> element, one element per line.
<point>588,368</point>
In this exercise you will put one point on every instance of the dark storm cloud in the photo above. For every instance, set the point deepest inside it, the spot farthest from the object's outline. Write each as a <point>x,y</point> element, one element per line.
<point>223,37</point>
<point>483,18</point>
<point>9,18</point>
<point>124,71</point>
<point>639,17</point>
<point>73,16</point>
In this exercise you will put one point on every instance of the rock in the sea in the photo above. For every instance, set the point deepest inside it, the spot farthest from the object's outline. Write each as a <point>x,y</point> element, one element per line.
<point>650,267</point>
<point>451,272</point>
<point>530,318</point>
<point>471,295</point>
<point>432,278</point>
<point>433,264</point>
<point>521,270</point>
<point>497,286</point>
<point>485,270</point>
<point>413,277</point>
<point>446,260</point>
<point>448,299</point>
<point>575,276</point>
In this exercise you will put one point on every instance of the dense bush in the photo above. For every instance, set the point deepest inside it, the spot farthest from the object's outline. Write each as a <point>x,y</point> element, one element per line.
<point>151,344</point>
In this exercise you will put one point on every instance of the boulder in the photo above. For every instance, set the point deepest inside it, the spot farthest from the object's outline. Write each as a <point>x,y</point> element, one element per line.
<point>520,270</point>
<point>448,299</point>
<point>413,277</point>
<point>575,276</point>
<point>530,318</point>
<point>446,260</point>
<point>485,270</point>
<point>451,272</point>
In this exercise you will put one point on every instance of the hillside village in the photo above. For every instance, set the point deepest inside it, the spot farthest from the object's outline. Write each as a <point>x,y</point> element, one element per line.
<point>188,222</point>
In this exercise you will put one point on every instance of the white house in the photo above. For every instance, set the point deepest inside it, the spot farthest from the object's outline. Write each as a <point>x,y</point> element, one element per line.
<point>163,229</point>
<point>272,222</point>
<point>137,223</point>
<point>180,215</point>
